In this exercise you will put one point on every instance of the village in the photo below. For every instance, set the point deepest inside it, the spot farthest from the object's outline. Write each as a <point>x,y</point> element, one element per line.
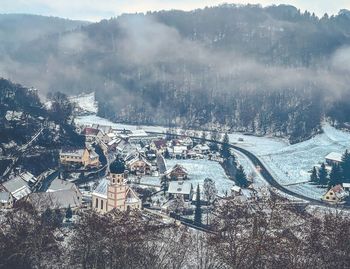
<point>129,169</point>
<point>162,173</point>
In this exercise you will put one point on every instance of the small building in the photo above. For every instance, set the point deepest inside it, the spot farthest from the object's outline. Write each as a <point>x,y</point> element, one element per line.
<point>113,193</point>
<point>180,189</point>
<point>139,165</point>
<point>17,187</point>
<point>28,177</point>
<point>178,172</point>
<point>335,195</point>
<point>92,134</point>
<point>159,145</point>
<point>83,157</point>
<point>179,152</point>
<point>6,200</point>
<point>61,185</point>
<point>201,149</point>
<point>346,187</point>
<point>334,158</point>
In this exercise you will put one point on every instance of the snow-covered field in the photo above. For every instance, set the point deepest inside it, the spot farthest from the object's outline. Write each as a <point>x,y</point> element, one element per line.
<point>93,119</point>
<point>199,170</point>
<point>290,164</point>
<point>86,102</point>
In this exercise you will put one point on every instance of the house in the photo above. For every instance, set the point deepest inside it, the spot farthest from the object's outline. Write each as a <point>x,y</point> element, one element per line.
<point>138,164</point>
<point>335,195</point>
<point>113,193</point>
<point>17,187</point>
<point>201,149</point>
<point>28,177</point>
<point>179,152</point>
<point>186,141</point>
<point>92,134</point>
<point>83,157</point>
<point>178,172</point>
<point>159,145</point>
<point>334,158</point>
<point>6,200</point>
<point>243,195</point>
<point>61,185</point>
<point>61,199</point>
<point>346,187</point>
<point>180,189</point>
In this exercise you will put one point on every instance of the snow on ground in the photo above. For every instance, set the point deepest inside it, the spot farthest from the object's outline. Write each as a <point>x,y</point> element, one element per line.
<point>86,102</point>
<point>93,119</point>
<point>290,164</point>
<point>199,170</point>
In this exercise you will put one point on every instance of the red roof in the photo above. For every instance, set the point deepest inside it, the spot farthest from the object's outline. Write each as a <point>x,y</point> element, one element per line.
<point>90,131</point>
<point>160,143</point>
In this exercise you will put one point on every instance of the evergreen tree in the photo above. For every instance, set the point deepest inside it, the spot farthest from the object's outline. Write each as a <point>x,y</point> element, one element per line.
<point>225,148</point>
<point>198,210</point>
<point>46,217</point>
<point>166,154</point>
<point>69,213</point>
<point>203,138</point>
<point>345,166</point>
<point>314,177</point>
<point>335,176</point>
<point>241,177</point>
<point>214,143</point>
<point>323,175</point>
<point>164,184</point>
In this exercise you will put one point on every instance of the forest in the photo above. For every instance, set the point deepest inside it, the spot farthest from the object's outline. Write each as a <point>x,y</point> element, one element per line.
<point>272,70</point>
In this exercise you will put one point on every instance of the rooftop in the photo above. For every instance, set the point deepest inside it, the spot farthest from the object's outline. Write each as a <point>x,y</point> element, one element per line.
<point>179,187</point>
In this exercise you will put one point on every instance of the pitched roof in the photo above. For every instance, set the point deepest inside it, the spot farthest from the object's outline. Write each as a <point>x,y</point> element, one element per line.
<point>4,197</point>
<point>101,189</point>
<point>334,156</point>
<point>72,152</point>
<point>59,184</point>
<point>160,143</point>
<point>179,187</point>
<point>90,131</point>
<point>176,167</point>
<point>59,199</point>
<point>17,187</point>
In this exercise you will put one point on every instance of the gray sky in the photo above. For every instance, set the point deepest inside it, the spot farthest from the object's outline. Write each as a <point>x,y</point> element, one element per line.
<point>95,10</point>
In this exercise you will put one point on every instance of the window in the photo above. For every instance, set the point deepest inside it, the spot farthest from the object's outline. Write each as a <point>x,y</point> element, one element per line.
<point>327,197</point>
<point>333,198</point>
<point>102,204</point>
<point>96,203</point>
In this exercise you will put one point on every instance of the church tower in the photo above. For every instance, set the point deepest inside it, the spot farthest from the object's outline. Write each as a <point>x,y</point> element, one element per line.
<point>117,189</point>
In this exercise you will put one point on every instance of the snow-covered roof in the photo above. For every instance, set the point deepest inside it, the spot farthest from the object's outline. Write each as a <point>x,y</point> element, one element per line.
<point>28,177</point>
<point>236,188</point>
<point>179,149</point>
<point>176,166</point>
<point>179,187</point>
<point>59,199</point>
<point>72,152</point>
<point>101,189</point>
<point>59,184</point>
<point>334,156</point>
<point>17,187</point>
<point>346,185</point>
<point>4,197</point>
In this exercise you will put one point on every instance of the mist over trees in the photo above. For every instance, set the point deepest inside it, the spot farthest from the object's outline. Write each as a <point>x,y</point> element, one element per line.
<point>262,70</point>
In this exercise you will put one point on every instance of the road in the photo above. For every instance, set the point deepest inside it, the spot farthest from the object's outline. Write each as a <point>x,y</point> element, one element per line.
<point>267,176</point>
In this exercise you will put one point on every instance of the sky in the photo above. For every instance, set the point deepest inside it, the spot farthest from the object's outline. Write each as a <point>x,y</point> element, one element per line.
<point>95,10</point>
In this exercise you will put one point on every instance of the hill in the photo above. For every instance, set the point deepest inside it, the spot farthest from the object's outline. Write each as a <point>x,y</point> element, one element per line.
<point>29,134</point>
<point>270,70</point>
